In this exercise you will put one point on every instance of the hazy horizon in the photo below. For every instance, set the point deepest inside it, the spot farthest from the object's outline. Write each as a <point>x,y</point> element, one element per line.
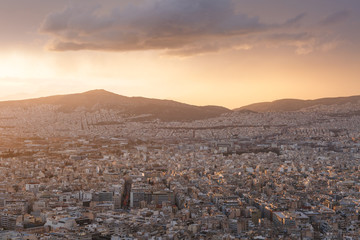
<point>246,52</point>
<point>158,119</point>
<point>231,108</point>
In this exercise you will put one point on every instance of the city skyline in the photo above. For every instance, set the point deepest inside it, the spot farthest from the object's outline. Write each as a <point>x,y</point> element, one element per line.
<point>179,119</point>
<point>228,53</point>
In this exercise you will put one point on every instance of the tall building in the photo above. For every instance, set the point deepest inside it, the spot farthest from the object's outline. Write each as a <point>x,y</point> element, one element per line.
<point>125,197</point>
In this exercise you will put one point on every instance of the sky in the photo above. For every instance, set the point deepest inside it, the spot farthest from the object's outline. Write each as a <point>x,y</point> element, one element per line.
<point>202,52</point>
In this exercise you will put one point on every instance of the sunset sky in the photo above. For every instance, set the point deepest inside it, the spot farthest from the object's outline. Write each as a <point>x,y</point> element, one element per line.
<point>202,52</point>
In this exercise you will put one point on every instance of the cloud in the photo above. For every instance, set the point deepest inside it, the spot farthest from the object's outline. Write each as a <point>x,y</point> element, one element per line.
<point>295,21</point>
<point>185,27</point>
<point>304,43</point>
<point>336,18</point>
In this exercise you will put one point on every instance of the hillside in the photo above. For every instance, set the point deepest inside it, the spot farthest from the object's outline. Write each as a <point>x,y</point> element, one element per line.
<point>286,105</point>
<point>144,108</point>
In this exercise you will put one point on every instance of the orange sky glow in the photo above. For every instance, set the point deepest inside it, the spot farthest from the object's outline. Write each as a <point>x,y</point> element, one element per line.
<point>202,52</point>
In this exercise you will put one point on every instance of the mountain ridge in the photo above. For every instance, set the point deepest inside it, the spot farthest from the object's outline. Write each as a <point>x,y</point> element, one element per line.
<point>167,110</point>
<point>287,105</point>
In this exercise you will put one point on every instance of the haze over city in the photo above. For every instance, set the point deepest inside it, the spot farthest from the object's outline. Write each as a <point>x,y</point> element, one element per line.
<point>179,119</point>
<point>203,52</point>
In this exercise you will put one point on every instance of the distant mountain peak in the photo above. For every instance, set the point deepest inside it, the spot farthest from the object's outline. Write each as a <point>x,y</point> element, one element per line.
<point>98,91</point>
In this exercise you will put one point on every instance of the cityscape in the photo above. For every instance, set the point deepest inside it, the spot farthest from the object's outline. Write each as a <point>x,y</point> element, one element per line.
<point>179,120</point>
<point>102,174</point>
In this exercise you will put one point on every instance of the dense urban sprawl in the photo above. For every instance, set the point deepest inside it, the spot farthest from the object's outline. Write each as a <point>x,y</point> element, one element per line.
<point>244,175</point>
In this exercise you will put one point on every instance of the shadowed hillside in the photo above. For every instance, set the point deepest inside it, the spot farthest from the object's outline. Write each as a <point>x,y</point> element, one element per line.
<point>145,108</point>
<point>286,105</point>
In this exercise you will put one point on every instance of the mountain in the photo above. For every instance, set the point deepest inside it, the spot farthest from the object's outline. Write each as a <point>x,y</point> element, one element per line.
<point>140,108</point>
<point>136,107</point>
<point>286,105</point>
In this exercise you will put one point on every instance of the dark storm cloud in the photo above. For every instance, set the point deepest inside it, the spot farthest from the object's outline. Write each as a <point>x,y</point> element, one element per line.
<point>183,27</point>
<point>336,18</point>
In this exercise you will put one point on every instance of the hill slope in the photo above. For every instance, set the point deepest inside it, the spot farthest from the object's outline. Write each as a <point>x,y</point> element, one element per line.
<point>286,105</point>
<point>165,110</point>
